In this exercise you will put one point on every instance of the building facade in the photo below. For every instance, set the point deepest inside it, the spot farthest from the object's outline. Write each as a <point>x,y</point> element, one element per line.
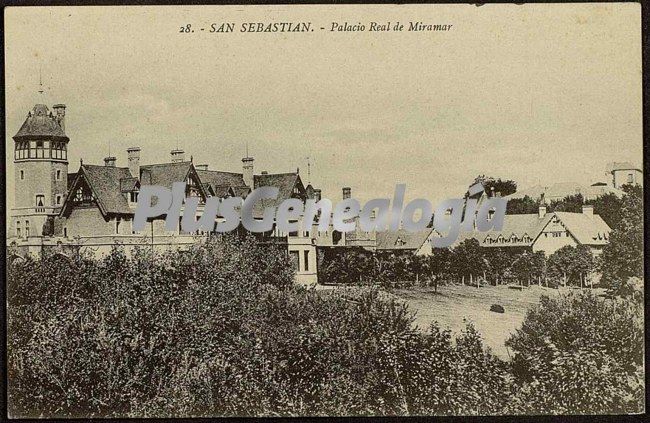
<point>93,207</point>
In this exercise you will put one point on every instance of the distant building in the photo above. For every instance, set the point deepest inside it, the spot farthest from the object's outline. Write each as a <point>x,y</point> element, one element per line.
<point>401,241</point>
<point>620,174</point>
<point>623,173</point>
<point>560,190</point>
<point>547,232</point>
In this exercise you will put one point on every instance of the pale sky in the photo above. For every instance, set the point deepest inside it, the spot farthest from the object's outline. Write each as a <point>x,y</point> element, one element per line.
<point>536,93</point>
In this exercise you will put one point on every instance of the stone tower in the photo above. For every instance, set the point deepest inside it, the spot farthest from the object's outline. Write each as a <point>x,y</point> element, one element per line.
<point>41,171</point>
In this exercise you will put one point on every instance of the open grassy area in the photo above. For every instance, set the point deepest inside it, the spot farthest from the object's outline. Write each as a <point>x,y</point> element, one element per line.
<point>453,305</point>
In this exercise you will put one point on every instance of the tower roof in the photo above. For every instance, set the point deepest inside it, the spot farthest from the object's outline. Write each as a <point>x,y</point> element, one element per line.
<point>40,123</point>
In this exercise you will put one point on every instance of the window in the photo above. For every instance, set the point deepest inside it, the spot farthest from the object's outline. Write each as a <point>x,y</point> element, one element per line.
<point>22,175</point>
<point>40,200</point>
<point>133,196</point>
<point>26,228</point>
<point>58,199</point>
<point>293,233</point>
<point>65,232</point>
<point>630,178</point>
<point>58,175</point>
<point>306,260</point>
<point>18,229</point>
<point>39,149</point>
<point>117,225</point>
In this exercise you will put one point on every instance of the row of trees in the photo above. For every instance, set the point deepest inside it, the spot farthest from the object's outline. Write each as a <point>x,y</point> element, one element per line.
<point>221,330</point>
<point>621,260</point>
<point>467,263</point>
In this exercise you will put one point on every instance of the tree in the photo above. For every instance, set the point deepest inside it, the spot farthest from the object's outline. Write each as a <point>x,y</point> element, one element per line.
<point>499,263</point>
<point>570,203</point>
<point>525,205</point>
<point>571,264</point>
<point>437,265</point>
<point>608,206</point>
<point>622,257</point>
<point>529,266</point>
<point>468,259</point>
<point>502,186</point>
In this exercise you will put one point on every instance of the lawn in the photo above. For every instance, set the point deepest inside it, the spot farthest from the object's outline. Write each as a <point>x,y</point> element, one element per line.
<point>453,305</point>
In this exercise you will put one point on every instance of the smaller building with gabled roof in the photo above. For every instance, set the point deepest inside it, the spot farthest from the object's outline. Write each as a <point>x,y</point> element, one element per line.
<point>547,232</point>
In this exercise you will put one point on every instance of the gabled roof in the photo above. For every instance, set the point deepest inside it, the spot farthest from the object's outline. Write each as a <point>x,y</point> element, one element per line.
<point>519,225</point>
<point>589,230</point>
<point>221,191</point>
<point>104,181</point>
<point>164,174</point>
<point>129,184</point>
<point>71,178</point>
<point>242,191</point>
<point>219,178</point>
<point>40,123</point>
<point>285,182</point>
<point>402,239</point>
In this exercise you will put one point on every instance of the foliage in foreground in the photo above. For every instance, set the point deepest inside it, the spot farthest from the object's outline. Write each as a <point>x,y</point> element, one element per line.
<point>580,354</point>
<point>222,330</point>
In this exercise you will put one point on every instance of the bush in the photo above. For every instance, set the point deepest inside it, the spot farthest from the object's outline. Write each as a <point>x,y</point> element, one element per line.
<point>221,330</point>
<point>580,354</point>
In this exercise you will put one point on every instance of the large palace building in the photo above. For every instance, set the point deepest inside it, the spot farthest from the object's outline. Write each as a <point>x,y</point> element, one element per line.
<point>92,208</point>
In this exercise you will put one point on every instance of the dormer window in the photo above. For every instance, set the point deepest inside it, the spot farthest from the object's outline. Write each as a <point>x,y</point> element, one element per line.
<point>133,196</point>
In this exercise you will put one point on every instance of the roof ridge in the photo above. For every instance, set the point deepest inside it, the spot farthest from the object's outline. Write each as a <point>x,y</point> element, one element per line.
<point>220,171</point>
<point>166,164</point>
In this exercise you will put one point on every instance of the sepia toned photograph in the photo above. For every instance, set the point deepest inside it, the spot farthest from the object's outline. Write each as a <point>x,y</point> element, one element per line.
<point>324,210</point>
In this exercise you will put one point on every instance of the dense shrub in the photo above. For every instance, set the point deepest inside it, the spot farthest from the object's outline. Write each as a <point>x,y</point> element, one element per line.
<point>222,330</point>
<point>580,354</point>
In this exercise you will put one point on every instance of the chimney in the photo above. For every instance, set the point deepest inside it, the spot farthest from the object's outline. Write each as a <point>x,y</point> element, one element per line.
<point>178,156</point>
<point>109,161</point>
<point>59,110</point>
<point>542,211</point>
<point>201,167</point>
<point>133,154</point>
<point>588,210</point>
<point>247,171</point>
<point>317,194</point>
<point>347,192</point>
